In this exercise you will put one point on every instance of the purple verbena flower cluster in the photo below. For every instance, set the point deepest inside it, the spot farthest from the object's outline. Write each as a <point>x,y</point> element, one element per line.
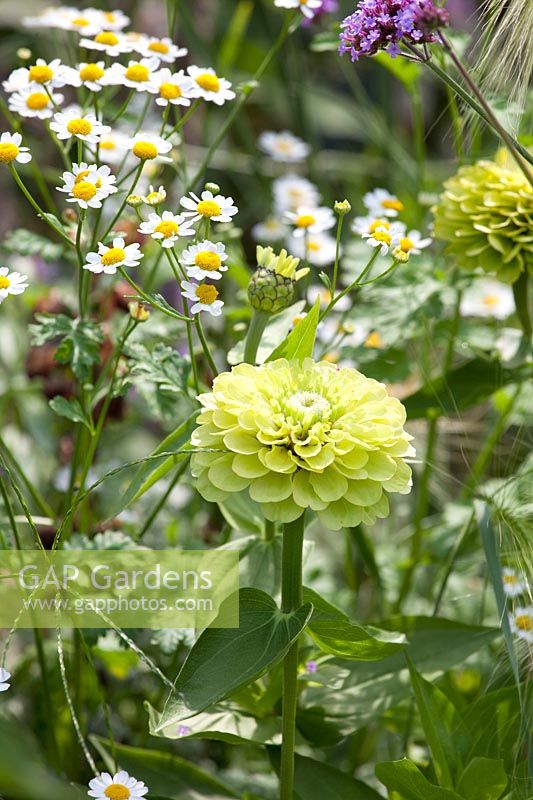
<point>382,24</point>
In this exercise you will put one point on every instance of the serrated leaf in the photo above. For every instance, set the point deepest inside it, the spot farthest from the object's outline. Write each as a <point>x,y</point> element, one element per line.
<point>28,243</point>
<point>79,344</point>
<point>160,375</point>
<point>70,409</point>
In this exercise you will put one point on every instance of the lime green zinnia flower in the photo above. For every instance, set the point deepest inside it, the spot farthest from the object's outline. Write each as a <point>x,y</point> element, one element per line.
<point>486,215</point>
<point>301,436</point>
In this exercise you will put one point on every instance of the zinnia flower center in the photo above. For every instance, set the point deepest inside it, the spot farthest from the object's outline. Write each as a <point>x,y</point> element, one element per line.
<point>158,47</point>
<point>524,622</point>
<point>8,152</point>
<point>79,127</point>
<point>169,91</point>
<point>91,72</point>
<point>137,73</point>
<point>113,256</point>
<point>168,228</point>
<point>84,190</point>
<point>208,82</point>
<point>5,283</point>
<point>207,260</point>
<point>117,791</point>
<point>37,101</point>
<point>106,37</point>
<point>305,220</point>
<point>208,208</point>
<point>144,150</point>
<point>40,73</point>
<point>395,205</point>
<point>308,406</point>
<point>206,294</point>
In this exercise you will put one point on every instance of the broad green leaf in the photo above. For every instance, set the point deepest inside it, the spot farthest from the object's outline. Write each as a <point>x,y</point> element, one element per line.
<point>405,778</point>
<point>315,780</point>
<point>79,344</point>
<point>442,727</point>
<point>70,409</point>
<point>483,779</point>
<point>224,724</point>
<point>226,659</point>
<point>300,342</point>
<point>406,71</point>
<point>165,774</point>
<point>463,387</point>
<point>333,632</point>
<point>498,712</point>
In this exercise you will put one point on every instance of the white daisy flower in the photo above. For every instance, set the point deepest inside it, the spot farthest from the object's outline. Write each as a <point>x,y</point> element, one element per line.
<point>154,197</point>
<point>12,150</point>
<point>209,86</point>
<point>115,20</point>
<point>111,147</point>
<point>368,224</point>
<point>137,75</point>
<point>86,22</point>
<point>307,220</point>
<point>75,122</point>
<point>11,283</point>
<point>167,227</point>
<point>174,88</point>
<point>119,787</point>
<point>487,298</point>
<point>386,237</point>
<point>320,251</point>
<point>110,42</point>
<point>33,101</point>
<point>291,191</point>
<point>147,146</point>
<point>107,259</point>
<point>307,7</point>
<point>204,297</point>
<point>513,583</point>
<point>4,674</point>
<point>163,49</point>
<point>88,185</point>
<point>380,202</point>
<point>91,74</point>
<point>521,621</point>
<point>270,230</point>
<point>410,244</point>
<point>213,207</point>
<point>205,260</point>
<point>283,146</point>
<point>51,74</point>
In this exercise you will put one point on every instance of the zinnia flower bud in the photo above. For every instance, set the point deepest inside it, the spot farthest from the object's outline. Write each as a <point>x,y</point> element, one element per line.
<point>271,288</point>
<point>485,215</point>
<point>303,435</point>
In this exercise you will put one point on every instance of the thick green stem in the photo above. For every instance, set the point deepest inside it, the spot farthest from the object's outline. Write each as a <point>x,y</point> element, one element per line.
<point>521,299</point>
<point>291,599</point>
<point>253,337</point>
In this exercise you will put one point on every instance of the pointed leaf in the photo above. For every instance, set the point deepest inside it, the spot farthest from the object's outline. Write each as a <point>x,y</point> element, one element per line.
<point>405,778</point>
<point>224,724</point>
<point>483,779</point>
<point>300,342</point>
<point>314,780</point>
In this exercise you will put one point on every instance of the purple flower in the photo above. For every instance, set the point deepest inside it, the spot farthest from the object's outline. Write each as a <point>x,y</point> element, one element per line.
<point>183,730</point>
<point>311,667</point>
<point>383,24</point>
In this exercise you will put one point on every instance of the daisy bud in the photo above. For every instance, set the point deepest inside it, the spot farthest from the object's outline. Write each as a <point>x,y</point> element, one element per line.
<point>154,198</point>
<point>134,200</point>
<point>342,207</point>
<point>214,188</point>
<point>271,288</point>
<point>24,53</point>
<point>138,311</point>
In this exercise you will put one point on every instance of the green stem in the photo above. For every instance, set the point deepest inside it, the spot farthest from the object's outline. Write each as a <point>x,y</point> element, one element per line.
<point>175,267</point>
<point>205,346</point>
<point>357,282</point>
<point>253,337</point>
<point>163,499</point>
<point>419,133</point>
<point>337,255</point>
<point>181,122</point>
<point>521,299</point>
<point>123,204</point>
<point>36,206</point>
<point>148,299</point>
<point>291,599</point>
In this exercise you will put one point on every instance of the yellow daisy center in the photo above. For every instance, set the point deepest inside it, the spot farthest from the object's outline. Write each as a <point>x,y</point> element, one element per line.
<point>169,91</point>
<point>8,152</point>
<point>490,300</point>
<point>5,283</point>
<point>378,223</point>
<point>395,205</point>
<point>84,190</point>
<point>313,246</point>
<point>37,101</point>
<point>40,73</point>
<point>81,22</point>
<point>207,260</point>
<point>110,17</point>
<point>83,174</point>
<point>117,791</point>
<point>208,81</point>
<point>159,47</point>
<point>382,236</point>
<point>144,150</point>
<point>91,72</point>
<point>107,144</point>
<point>524,622</point>
<point>406,245</point>
<point>206,294</point>
<point>167,227</point>
<point>305,220</point>
<point>374,340</point>
<point>511,579</point>
<point>208,208</point>
<point>106,37</point>
<point>137,73</point>
<point>113,256</point>
<point>79,127</point>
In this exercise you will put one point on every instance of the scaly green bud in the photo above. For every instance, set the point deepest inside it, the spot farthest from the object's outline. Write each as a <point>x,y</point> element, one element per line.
<point>271,288</point>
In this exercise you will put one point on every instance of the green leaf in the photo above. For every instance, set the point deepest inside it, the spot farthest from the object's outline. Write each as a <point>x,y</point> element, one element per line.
<point>275,331</point>
<point>28,243</point>
<point>406,71</point>
<point>71,409</point>
<point>223,724</point>
<point>79,345</point>
<point>226,659</point>
<point>483,779</point>
<point>301,340</point>
<point>160,375</point>
<point>333,632</point>
<point>166,775</point>
<point>405,778</point>
<point>463,387</point>
<point>326,41</point>
<point>315,780</point>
